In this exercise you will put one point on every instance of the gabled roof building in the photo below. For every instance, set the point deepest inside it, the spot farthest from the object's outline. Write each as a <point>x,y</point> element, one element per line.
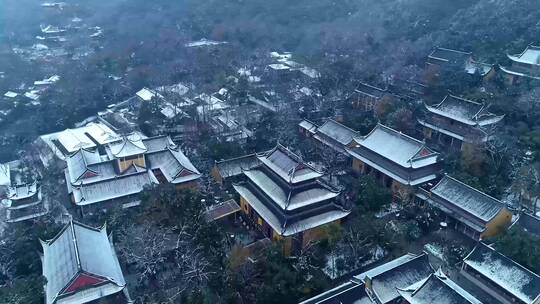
<point>351,292</point>
<point>382,282</point>
<point>331,134</point>
<point>288,199</point>
<point>501,277</point>
<point>24,202</point>
<point>388,283</point>
<point>523,65</point>
<point>366,96</point>
<point>80,266</point>
<point>471,211</point>
<point>398,160</point>
<point>456,122</point>
<point>461,61</point>
<point>232,169</point>
<point>120,170</point>
<point>437,288</point>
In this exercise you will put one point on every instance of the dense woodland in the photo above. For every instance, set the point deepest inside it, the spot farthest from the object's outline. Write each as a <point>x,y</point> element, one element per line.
<point>348,41</point>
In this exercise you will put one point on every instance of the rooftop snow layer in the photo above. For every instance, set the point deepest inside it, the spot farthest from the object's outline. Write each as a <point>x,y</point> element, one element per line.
<point>507,274</point>
<point>467,198</point>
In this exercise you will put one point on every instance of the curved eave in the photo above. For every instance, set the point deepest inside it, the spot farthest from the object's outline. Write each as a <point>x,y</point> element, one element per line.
<point>517,59</point>
<point>392,175</point>
<point>507,71</point>
<point>439,112</point>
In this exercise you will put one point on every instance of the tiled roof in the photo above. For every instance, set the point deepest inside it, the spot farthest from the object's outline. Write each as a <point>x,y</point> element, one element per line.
<point>347,293</point>
<point>176,167</point>
<point>285,198</point>
<point>397,147</point>
<point>128,146</point>
<point>78,163</point>
<point>76,250</point>
<point>289,225</point>
<point>221,210</point>
<point>400,273</point>
<point>112,188</point>
<point>236,166</point>
<point>338,132</point>
<point>288,165</point>
<point>505,273</point>
<point>449,55</point>
<point>437,288</point>
<point>531,55</point>
<point>465,111</point>
<point>22,191</point>
<point>468,199</point>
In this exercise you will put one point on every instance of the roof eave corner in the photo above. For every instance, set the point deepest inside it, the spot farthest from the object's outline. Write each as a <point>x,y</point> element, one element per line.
<point>44,244</point>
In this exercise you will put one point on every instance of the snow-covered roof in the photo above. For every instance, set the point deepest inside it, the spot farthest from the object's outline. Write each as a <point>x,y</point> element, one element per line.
<point>397,147</point>
<point>437,288</point>
<point>204,42</point>
<point>211,104</point>
<point>236,166</point>
<point>288,165</point>
<point>286,199</point>
<point>284,55</point>
<point>465,111</point>
<point>158,143</point>
<point>71,140</point>
<point>399,273</point>
<point>129,146</point>
<point>221,210</point>
<point>10,94</point>
<point>47,81</point>
<point>22,191</point>
<point>93,178</point>
<point>174,165</point>
<point>347,293</point>
<point>531,56</point>
<point>516,73</point>
<point>78,258</point>
<point>279,224</point>
<point>308,125</point>
<point>112,188</point>
<point>279,66</point>
<point>50,29</point>
<point>146,94</point>
<point>338,132</point>
<point>449,55</point>
<point>472,67</point>
<point>79,163</point>
<point>310,72</point>
<point>33,94</point>
<point>467,198</point>
<point>179,89</point>
<point>505,273</point>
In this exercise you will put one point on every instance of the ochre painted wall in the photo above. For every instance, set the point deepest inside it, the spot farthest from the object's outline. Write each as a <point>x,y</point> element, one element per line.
<point>498,224</point>
<point>123,163</point>
<point>244,205</point>
<point>217,177</point>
